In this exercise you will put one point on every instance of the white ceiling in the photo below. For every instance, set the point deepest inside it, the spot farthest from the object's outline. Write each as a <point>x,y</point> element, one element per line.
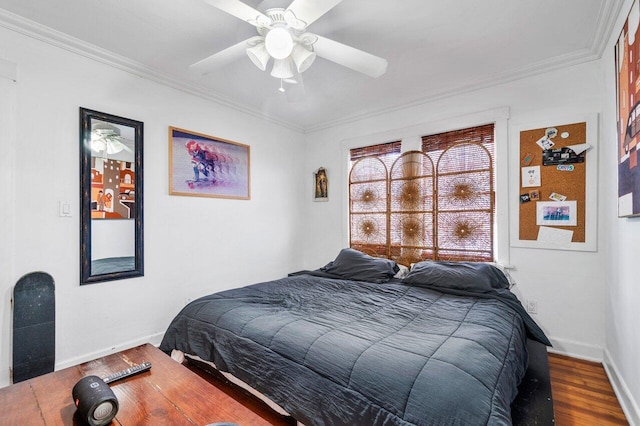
<point>434,47</point>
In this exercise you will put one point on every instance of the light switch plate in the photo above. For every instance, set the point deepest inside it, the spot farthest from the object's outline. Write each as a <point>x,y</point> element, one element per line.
<point>65,209</point>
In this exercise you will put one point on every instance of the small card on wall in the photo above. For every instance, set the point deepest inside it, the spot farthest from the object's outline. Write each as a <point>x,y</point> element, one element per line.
<point>527,159</point>
<point>531,177</point>
<point>545,143</point>
<point>557,197</point>
<point>555,236</point>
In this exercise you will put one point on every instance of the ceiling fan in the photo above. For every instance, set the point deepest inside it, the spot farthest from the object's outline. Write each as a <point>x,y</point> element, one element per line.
<point>106,138</point>
<point>283,37</point>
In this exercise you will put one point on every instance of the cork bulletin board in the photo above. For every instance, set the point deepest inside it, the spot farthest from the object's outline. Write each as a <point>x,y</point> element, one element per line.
<point>556,185</point>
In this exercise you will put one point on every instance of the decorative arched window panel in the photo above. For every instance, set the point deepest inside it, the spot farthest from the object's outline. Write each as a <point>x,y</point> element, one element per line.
<point>368,206</point>
<point>411,210</point>
<point>465,203</point>
<point>418,211</point>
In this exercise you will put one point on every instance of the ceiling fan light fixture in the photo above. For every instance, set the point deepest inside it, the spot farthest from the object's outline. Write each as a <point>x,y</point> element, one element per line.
<point>98,145</point>
<point>259,56</point>
<point>302,57</point>
<point>281,69</point>
<point>279,43</point>
<point>282,36</point>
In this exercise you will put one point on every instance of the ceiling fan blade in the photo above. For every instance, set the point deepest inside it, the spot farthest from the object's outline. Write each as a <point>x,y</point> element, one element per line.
<point>124,142</point>
<point>220,59</point>
<point>310,10</point>
<point>242,11</point>
<point>114,146</point>
<point>350,57</point>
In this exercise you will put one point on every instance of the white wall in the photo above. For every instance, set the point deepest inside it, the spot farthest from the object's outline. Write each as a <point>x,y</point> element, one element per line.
<point>623,286</point>
<point>569,286</point>
<point>587,301</point>
<point>193,245</point>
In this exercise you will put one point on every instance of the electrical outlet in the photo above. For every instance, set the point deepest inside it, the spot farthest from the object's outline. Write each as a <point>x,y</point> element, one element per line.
<point>532,306</point>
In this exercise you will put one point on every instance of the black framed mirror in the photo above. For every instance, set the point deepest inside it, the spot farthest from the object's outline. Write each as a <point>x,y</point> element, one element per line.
<point>111,231</point>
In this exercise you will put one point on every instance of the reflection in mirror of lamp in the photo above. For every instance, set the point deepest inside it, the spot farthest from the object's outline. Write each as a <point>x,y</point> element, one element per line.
<point>112,171</point>
<point>111,140</point>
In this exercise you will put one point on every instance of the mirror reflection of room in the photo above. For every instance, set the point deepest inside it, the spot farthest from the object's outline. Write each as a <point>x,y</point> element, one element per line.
<point>112,171</point>
<point>112,197</point>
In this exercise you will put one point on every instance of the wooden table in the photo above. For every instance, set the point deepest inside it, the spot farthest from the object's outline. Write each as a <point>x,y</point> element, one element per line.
<point>168,394</point>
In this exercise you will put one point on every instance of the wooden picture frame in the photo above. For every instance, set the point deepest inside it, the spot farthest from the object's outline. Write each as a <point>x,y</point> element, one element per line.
<point>206,166</point>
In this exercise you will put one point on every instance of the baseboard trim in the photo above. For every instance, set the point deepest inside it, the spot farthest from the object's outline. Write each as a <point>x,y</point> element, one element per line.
<point>154,339</point>
<point>576,349</point>
<point>629,405</point>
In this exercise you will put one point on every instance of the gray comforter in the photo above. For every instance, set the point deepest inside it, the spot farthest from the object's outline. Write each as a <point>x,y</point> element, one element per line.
<point>340,352</point>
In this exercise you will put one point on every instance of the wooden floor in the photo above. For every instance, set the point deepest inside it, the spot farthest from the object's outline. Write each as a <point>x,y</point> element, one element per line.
<point>582,394</point>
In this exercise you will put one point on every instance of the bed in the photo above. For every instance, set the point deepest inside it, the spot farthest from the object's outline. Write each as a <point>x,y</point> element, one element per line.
<point>355,343</point>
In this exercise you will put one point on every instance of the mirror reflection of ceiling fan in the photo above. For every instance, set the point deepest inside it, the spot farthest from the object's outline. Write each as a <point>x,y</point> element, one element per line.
<point>106,138</point>
<point>283,37</point>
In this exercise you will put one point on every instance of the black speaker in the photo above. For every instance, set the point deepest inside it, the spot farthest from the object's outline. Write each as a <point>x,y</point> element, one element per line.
<point>96,403</point>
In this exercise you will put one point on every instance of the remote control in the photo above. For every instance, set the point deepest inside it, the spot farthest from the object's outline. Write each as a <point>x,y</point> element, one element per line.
<point>139,368</point>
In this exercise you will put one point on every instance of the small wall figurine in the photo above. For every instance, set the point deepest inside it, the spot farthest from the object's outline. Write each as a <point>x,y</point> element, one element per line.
<point>321,185</point>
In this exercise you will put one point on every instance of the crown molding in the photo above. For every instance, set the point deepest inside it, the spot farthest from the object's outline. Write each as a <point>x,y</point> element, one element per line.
<point>609,12</point>
<point>539,68</point>
<point>79,47</point>
<point>607,17</point>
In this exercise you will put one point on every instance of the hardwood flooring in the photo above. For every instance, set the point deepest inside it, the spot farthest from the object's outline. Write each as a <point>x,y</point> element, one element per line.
<point>582,394</point>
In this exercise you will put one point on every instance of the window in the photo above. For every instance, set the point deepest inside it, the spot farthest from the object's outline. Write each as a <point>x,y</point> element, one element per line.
<point>437,203</point>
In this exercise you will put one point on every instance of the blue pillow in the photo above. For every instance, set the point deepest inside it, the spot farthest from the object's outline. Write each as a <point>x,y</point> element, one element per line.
<point>354,265</point>
<point>469,276</point>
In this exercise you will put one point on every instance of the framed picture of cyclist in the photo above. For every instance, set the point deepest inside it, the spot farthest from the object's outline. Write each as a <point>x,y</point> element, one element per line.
<point>207,166</point>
